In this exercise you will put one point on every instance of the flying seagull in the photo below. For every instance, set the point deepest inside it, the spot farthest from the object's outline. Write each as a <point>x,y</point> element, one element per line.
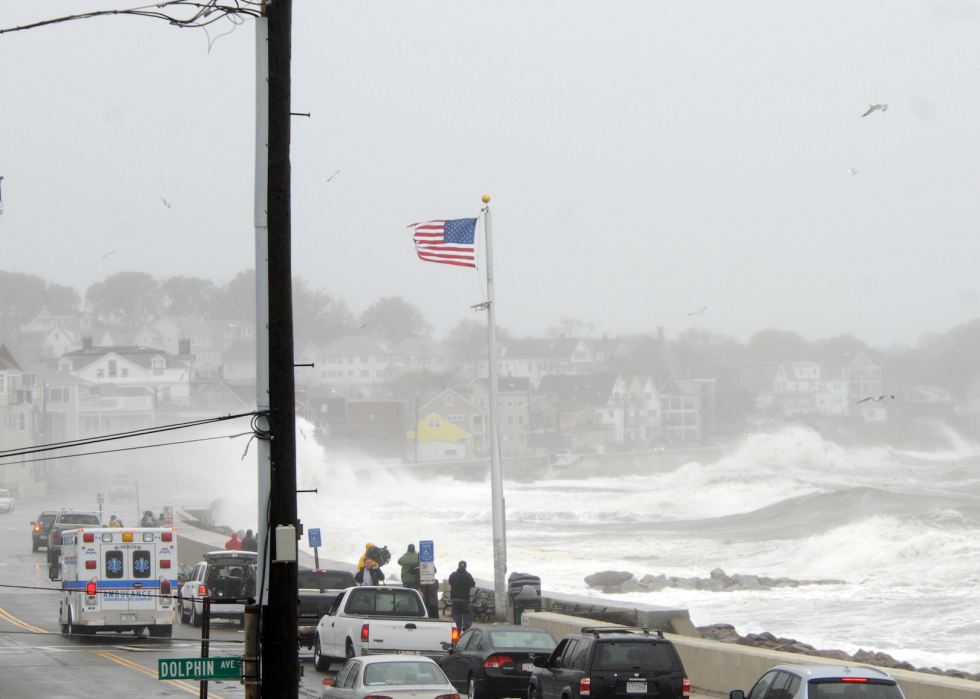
<point>698,313</point>
<point>875,107</point>
<point>107,254</point>
<point>877,399</point>
<point>333,175</point>
<point>853,171</point>
<point>361,326</point>
<point>164,202</point>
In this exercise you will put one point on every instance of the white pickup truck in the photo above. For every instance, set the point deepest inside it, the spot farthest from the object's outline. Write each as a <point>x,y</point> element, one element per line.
<point>378,620</point>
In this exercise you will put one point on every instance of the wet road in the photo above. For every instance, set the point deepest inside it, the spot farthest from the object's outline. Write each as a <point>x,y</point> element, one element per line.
<point>36,660</point>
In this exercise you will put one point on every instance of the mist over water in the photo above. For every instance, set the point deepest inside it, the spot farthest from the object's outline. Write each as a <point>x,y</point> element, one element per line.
<point>899,528</point>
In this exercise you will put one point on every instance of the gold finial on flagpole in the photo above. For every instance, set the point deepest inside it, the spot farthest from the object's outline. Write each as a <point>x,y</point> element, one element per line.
<point>486,198</point>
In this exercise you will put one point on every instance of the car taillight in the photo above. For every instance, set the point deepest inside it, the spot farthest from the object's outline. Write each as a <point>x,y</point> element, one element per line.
<point>164,586</point>
<point>497,660</point>
<point>687,688</point>
<point>90,565</point>
<point>37,528</point>
<point>853,679</point>
<point>584,685</point>
<point>165,563</point>
<point>56,536</point>
<point>91,586</point>
<point>202,591</point>
<point>166,536</point>
<point>365,634</point>
<point>88,538</point>
<point>448,696</point>
<point>379,696</point>
<point>455,634</point>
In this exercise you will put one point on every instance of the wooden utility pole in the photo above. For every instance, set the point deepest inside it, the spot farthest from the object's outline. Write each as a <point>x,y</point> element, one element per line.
<point>280,644</point>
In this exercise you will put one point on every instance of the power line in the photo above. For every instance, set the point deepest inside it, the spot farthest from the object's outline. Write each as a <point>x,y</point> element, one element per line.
<point>113,451</point>
<point>123,435</point>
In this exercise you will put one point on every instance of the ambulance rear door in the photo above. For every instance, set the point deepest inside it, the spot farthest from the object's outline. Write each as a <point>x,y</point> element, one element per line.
<point>128,573</point>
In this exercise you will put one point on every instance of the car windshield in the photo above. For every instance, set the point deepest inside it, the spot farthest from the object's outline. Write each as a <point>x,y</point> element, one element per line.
<point>45,519</point>
<point>835,688</point>
<point>325,580</point>
<point>519,640</point>
<point>404,673</point>
<point>625,656</point>
<point>80,519</point>
<point>385,602</point>
<point>4,494</point>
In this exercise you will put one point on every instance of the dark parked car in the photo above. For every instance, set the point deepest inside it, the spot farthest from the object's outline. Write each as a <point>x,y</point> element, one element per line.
<point>488,662</point>
<point>610,663</point>
<point>39,535</point>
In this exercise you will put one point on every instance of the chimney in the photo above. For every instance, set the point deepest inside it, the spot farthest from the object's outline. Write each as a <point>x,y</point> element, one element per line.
<point>86,342</point>
<point>184,346</point>
<point>660,334</point>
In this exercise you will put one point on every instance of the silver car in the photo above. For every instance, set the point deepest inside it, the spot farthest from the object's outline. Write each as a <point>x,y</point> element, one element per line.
<point>7,503</point>
<point>823,682</point>
<point>394,676</point>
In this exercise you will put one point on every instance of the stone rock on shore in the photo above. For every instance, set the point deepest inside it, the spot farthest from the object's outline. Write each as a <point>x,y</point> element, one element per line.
<point>727,634</point>
<point>608,580</point>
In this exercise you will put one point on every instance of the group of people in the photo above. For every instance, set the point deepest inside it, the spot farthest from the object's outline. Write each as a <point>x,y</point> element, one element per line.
<point>246,543</point>
<point>461,583</point>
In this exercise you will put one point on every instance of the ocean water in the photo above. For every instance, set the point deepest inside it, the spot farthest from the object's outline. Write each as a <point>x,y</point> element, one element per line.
<point>902,529</point>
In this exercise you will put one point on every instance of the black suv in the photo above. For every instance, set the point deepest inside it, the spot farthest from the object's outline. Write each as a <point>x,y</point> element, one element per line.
<point>39,533</point>
<point>610,663</point>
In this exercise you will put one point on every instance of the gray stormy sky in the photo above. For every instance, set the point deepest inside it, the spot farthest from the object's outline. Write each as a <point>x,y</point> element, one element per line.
<point>644,159</point>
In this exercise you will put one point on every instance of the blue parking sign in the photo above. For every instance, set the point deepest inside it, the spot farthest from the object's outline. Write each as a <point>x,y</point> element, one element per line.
<point>427,551</point>
<point>314,538</point>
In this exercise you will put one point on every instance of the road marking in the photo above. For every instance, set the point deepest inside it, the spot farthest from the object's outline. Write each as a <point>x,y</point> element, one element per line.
<point>4,614</point>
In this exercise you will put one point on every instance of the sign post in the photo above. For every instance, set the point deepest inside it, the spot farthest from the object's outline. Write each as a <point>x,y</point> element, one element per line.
<point>315,545</point>
<point>168,516</point>
<point>100,501</point>
<point>427,557</point>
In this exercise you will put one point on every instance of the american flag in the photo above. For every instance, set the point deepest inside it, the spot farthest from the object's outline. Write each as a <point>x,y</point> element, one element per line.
<point>86,392</point>
<point>448,242</point>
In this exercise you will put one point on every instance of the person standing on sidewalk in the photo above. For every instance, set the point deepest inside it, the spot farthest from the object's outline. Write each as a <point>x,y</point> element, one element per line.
<point>410,568</point>
<point>460,585</point>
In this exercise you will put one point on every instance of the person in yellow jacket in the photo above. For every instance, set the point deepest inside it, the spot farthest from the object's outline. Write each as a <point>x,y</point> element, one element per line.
<point>114,521</point>
<point>367,547</point>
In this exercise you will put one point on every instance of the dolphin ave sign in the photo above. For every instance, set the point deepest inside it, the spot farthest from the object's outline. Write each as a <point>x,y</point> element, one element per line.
<point>199,669</point>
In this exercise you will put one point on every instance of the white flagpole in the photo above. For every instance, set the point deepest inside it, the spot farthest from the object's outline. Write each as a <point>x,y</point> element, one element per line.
<point>496,474</point>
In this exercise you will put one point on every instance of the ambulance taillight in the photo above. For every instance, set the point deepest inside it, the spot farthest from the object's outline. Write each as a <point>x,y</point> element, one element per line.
<point>88,538</point>
<point>164,586</point>
<point>90,565</point>
<point>164,563</point>
<point>167,536</point>
<point>90,587</point>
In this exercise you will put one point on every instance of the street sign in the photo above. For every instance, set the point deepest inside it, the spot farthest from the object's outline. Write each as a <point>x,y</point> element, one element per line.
<point>199,669</point>
<point>427,567</point>
<point>168,516</point>
<point>315,538</point>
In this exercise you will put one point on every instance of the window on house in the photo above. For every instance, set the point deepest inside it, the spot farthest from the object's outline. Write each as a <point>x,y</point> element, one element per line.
<point>379,373</point>
<point>434,424</point>
<point>125,373</point>
<point>510,402</point>
<point>3,381</point>
<point>610,413</point>
<point>520,402</point>
<point>158,367</point>
<point>449,400</point>
<point>365,359</point>
<point>100,373</point>
<point>112,368</point>
<point>477,421</point>
<point>520,419</point>
<point>365,373</point>
<point>463,440</point>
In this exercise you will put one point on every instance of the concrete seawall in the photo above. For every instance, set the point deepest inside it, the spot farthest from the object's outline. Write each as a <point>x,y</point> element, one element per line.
<point>716,668</point>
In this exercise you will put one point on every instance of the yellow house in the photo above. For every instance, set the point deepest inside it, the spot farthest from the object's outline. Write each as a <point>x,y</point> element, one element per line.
<point>434,428</point>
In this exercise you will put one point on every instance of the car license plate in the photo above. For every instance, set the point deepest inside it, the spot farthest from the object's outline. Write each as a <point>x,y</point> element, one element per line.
<point>127,617</point>
<point>527,667</point>
<point>636,687</point>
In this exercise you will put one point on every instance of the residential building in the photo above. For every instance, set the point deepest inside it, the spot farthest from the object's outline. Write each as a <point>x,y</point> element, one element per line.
<point>459,410</point>
<point>513,411</point>
<point>687,410</point>
<point>18,421</point>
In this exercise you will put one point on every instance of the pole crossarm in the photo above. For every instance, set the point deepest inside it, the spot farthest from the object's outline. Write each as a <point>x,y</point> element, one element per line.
<point>201,13</point>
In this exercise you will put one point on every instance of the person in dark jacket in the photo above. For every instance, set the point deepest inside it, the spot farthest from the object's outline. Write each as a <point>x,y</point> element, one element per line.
<point>370,574</point>
<point>460,585</point>
<point>148,519</point>
<point>410,568</point>
<point>249,542</point>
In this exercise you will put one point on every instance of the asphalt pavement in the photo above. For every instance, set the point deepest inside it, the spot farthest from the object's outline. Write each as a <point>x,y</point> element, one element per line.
<point>36,660</point>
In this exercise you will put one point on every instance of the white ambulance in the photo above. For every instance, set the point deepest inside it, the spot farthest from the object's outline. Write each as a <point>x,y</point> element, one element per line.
<point>118,580</point>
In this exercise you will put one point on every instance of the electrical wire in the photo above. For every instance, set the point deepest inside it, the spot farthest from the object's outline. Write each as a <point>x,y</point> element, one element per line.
<point>126,435</point>
<point>113,451</point>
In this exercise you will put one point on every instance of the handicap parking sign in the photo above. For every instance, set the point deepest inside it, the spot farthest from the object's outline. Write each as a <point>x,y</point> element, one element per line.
<point>427,551</point>
<point>314,537</point>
